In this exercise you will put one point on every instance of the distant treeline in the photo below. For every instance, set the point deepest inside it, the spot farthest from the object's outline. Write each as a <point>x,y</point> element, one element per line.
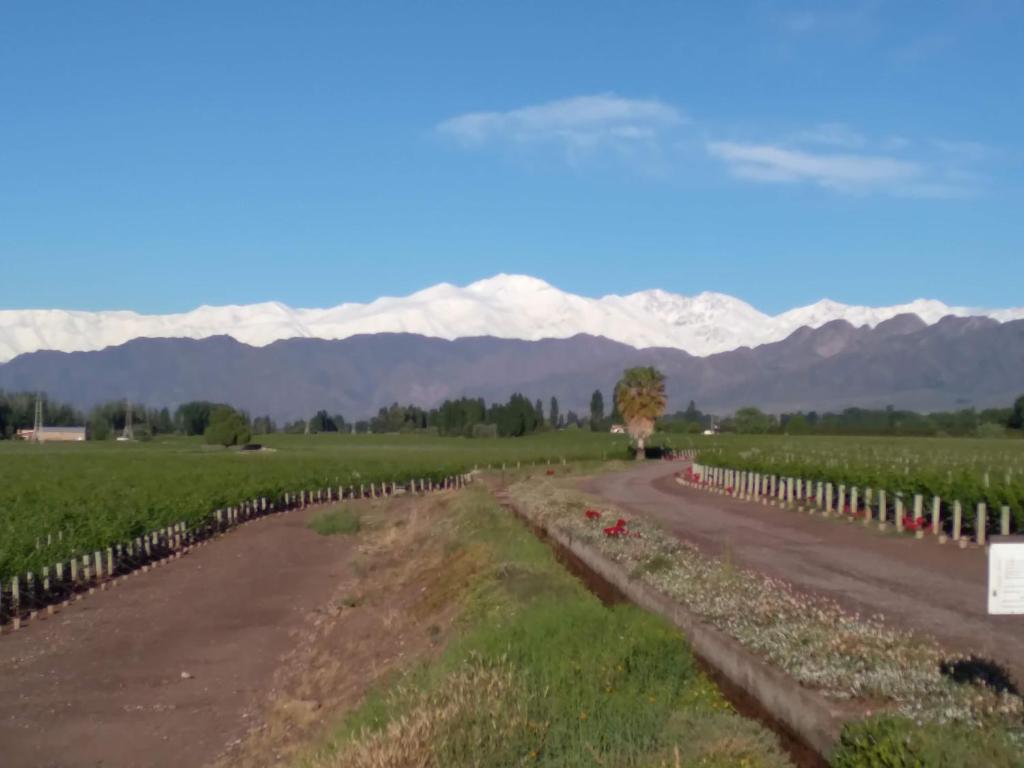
<point>108,420</point>
<point>968,422</point>
<point>470,417</point>
<point>18,411</point>
<point>473,417</point>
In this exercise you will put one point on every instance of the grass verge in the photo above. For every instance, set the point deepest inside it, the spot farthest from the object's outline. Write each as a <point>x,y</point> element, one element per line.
<point>337,520</point>
<point>542,673</point>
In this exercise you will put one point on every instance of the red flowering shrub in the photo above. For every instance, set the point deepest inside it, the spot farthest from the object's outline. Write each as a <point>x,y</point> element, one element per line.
<point>592,514</point>
<point>912,524</point>
<point>619,529</point>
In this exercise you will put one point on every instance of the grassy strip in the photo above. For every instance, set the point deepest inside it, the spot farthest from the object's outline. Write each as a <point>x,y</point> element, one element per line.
<point>813,639</point>
<point>336,520</point>
<point>543,674</point>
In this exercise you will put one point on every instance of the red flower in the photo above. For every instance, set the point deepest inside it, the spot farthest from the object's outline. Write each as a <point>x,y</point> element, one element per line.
<point>551,472</point>
<point>592,514</point>
<point>619,529</point>
<point>912,524</point>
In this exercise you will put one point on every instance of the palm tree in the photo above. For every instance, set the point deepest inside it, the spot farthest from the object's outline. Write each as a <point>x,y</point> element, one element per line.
<point>640,398</point>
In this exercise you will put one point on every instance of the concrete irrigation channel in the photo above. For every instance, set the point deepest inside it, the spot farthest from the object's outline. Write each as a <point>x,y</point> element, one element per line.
<point>807,724</point>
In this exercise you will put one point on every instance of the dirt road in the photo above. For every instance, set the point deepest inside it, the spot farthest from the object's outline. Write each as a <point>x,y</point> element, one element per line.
<point>240,642</point>
<point>920,585</point>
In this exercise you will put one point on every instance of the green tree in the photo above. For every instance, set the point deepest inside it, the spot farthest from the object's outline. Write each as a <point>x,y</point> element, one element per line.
<point>990,430</point>
<point>227,427</point>
<point>5,418</point>
<point>640,398</point>
<point>796,424</point>
<point>161,421</point>
<point>596,410</point>
<point>1016,420</point>
<point>263,425</point>
<point>515,418</point>
<point>752,421</point>
<point>98,427</point>
<point>193,417</point>
<point>322,422</point>
<point>692,415</point>
<point>459,417</point>
<point>553,413</point>
<point>399,418</point>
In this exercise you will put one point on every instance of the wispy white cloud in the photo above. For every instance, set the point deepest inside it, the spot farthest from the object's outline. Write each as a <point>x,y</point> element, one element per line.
<point>577,124</point>
<point>895,143</point>
<point>649,135</point>
<point>843,172</point>
<point>811,20</point>
<point>970,151</point>
<point>831,134</point>
<point>853,163</point>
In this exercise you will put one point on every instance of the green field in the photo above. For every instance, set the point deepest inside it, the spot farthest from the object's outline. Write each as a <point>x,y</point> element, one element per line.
<point>83,496</point>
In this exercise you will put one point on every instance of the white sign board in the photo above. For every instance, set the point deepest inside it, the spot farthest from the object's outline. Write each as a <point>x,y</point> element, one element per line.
<point>1006,576</point>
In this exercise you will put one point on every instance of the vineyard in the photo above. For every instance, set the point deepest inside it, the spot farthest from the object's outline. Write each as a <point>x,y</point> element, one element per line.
<point>59,501</point>
<point>970,471</point>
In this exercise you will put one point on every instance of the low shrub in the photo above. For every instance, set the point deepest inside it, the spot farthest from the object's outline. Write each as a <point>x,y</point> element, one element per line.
<point>891,741</point>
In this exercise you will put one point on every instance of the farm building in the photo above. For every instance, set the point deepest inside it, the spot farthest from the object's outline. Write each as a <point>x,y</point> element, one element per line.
<point>54,434</point>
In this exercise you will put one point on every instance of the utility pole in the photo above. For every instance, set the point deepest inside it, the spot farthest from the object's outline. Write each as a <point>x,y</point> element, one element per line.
<point>37,429</point>
<point>128,433</point>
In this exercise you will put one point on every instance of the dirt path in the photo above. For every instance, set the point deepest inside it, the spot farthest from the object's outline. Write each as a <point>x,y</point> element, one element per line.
<point>231,647</point>
<point>919,585</point>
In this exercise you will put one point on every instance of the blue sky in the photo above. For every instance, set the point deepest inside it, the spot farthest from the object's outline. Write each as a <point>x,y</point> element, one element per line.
<point>157,156</point>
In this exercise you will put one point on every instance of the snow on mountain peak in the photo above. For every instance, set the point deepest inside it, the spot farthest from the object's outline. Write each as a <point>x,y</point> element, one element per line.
<point>506,306</point>
<point>505,283</point>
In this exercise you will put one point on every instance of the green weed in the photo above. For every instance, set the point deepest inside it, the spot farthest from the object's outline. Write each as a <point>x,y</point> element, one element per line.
<point>334,521</point>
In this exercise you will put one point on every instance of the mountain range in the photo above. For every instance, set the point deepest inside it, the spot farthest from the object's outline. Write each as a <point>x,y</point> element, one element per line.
<point>903,361</point>
<point>504,306</point>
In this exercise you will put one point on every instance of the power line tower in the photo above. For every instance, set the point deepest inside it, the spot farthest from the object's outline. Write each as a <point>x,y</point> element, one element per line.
<point>37,428</point>
<point>128,434</point>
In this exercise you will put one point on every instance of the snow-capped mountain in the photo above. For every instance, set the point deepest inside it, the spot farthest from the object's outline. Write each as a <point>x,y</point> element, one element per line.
<point>505,306</point>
